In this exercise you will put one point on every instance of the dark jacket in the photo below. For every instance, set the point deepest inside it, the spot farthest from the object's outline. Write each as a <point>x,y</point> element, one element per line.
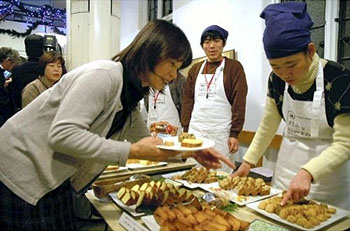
<point>22,75</point>
<point>7,108</point>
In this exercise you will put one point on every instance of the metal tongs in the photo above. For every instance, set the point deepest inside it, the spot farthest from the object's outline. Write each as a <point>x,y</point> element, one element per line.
<point>302,201</point>
<point>135,177</point>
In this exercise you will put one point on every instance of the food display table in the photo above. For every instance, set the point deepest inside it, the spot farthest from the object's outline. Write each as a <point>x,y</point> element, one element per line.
<point>111,212</point>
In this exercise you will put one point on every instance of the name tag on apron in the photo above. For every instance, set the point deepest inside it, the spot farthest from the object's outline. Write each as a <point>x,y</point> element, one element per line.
<point>153,114</point>
<point>161,99</point>
<point>207,98</point>
<point>298,126</point>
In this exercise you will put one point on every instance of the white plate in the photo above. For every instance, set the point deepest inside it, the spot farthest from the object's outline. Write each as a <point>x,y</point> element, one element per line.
<point>233,196</point>
<point>185,182</point>
<point>139,166</point>
<point>150,222</point>
<point>130,209</point>
<point>337,216</point>
<point>120,169</point>
<point>207,143</point>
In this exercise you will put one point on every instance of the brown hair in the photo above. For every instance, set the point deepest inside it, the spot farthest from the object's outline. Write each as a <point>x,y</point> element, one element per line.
<point>50,57</point>
<point>12,54</point>
<point>157,41</point>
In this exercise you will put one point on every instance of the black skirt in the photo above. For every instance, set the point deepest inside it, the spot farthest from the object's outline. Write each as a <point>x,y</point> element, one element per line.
<point>54,211</point>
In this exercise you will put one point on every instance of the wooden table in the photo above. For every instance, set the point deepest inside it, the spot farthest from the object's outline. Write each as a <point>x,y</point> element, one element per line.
<point>111,212</point>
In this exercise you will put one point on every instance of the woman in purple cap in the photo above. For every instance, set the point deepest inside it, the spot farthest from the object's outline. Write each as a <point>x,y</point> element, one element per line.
<point>213,103</point>
<point>312,96</point>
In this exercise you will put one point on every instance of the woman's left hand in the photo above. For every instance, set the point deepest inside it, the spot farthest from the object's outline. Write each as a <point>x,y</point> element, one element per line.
<point>210,158</point>
<point>299,187</point>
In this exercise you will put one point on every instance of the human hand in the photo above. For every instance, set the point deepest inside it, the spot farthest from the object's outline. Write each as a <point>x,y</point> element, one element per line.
<point>7,82</point>
<point>243,170</point>
<point>299,187</point>
<point>146,149</point>
<point>232,144</point>
<point>210,158</point>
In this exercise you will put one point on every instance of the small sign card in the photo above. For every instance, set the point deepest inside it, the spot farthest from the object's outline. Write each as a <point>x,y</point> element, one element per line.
<point>130,223</point>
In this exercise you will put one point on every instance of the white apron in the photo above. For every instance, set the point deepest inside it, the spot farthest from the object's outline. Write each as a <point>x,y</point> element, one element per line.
<point>162,108</point>
<point>211,116</point>
<point>305,136</point>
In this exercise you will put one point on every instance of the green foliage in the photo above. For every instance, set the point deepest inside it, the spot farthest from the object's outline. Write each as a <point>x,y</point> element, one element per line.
<point>230,207</point>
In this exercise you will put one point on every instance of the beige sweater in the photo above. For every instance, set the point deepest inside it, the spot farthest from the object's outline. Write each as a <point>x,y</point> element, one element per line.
<point>34,89</point>
<point>329,159</point>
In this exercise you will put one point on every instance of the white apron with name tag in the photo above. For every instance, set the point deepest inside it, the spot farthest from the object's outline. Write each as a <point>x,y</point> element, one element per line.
<point>164,110</point>
<point>305,136</point>
<point>212,117</point>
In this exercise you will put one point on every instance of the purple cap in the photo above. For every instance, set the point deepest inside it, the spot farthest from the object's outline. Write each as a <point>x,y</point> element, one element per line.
<point>287,29</point>
<point>216,28</point>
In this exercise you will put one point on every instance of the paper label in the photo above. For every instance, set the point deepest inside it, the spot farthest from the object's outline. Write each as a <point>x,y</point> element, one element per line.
<point>130,223</point>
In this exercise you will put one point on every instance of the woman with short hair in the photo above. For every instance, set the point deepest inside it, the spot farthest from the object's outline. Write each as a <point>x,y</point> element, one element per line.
<point>51,68</point>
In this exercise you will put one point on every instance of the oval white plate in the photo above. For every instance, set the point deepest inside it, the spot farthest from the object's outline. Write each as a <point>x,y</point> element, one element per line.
<point>207,143</point>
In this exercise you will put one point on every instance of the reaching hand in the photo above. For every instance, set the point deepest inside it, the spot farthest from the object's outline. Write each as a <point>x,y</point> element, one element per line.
<point>146,149</point>
<point>210,158</point>
<point>232,144</point>
<point>243,170</point>
<point>299,187</point>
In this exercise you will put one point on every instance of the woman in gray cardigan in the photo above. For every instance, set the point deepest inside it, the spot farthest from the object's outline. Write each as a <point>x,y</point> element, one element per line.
<point>65,137</point>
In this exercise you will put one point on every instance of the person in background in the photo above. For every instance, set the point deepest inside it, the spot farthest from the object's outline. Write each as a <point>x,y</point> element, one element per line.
<point>9,58</point>
<point>51,67</point>
<point>27,71</point>
<point>215,93</point>
<point>312,96</point>
<point>66,137</point>
<point>166,105</point>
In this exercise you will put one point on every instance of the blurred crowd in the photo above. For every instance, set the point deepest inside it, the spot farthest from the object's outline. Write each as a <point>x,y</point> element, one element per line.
<point>26,78</point>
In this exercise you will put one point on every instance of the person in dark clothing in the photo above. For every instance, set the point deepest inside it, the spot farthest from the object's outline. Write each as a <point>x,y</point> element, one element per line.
<point>8,59</point>
<point>27,71</point>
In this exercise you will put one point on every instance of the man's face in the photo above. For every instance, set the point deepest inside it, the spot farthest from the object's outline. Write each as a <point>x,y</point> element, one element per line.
<point>8,64</point>
<point>213,48</point>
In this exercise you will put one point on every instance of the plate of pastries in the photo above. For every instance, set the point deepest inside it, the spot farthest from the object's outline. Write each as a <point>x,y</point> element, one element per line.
<point>114,169</point>
<point>163,127</point>
<point>304,214</point>
<point>138,164</point>
<point>195,177</point>
<point>241,190</point>
<point>193,216</point>
<point>137,198</point>
<point>185,142</point>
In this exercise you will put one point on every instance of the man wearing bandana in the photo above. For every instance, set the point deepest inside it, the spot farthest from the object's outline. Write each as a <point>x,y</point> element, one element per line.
<point>312,96</point>
<point>213,104</point>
